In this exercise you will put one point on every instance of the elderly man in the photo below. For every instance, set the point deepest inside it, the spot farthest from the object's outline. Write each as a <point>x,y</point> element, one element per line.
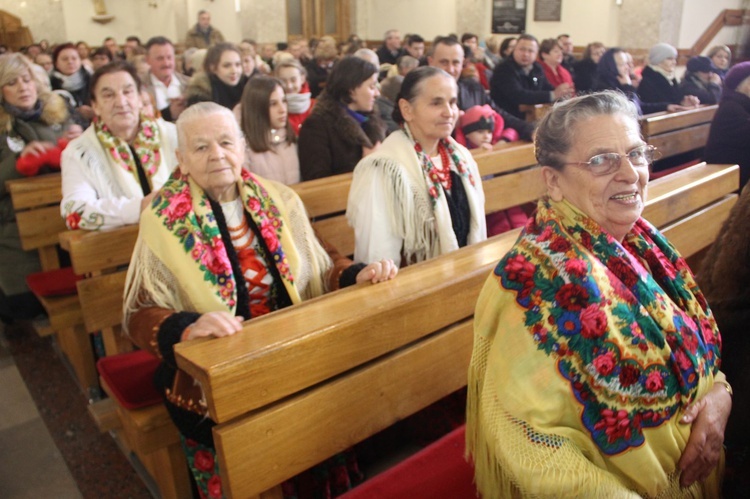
<point>520,79</point>
<point>203,35</point>
<point>162,81</point>
<point>391,49</point>
<point>448,55</point>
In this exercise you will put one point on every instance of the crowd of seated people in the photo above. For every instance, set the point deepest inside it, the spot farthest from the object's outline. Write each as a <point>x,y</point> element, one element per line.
<point>306,111</point>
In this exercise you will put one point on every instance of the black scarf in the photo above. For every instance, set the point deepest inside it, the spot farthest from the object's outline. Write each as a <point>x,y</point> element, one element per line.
<point>225,95</point>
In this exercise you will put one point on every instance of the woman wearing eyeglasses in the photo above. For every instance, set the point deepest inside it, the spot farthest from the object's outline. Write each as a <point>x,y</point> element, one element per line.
<point>595,370</point>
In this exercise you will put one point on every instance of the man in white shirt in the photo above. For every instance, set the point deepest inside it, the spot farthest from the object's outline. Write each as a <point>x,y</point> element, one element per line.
<point>162,81</point>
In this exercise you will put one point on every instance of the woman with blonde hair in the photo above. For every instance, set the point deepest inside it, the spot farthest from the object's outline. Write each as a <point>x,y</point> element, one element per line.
<point>721,56</point>
<point>32,120</point>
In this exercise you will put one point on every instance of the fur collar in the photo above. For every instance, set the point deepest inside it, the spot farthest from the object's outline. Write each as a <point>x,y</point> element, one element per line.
<point>349,130</point>
<point>54,112</point>
<point>199,88</point>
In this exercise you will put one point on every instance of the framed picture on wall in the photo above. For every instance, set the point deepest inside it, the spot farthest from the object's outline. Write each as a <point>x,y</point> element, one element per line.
<point>509,16</point>
<point>547,10</point>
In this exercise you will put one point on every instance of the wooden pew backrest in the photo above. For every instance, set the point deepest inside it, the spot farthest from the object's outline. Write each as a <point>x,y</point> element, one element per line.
<point>36,201</point>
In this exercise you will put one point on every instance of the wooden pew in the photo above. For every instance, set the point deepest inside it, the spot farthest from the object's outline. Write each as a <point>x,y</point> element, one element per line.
<point>148,432</point>
<point>678,133</point>
<point>36,201</point>
<point>307,382</point>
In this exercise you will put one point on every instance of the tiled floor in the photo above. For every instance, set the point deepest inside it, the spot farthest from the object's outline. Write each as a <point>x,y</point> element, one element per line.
<point>30,463</point>
<point>49,445</point>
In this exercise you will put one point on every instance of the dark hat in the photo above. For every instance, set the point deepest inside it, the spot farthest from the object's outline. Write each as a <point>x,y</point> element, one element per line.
<point>701,64</point>
<point>737,75</point>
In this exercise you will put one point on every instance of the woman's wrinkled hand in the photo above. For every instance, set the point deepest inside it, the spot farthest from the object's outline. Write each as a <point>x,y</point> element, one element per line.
<point>216,324</point>
<point>708,417</point>
<point>375,272</point>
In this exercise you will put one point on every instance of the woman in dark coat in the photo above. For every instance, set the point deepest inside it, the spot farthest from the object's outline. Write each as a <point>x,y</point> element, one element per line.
<point>343,127</point>
<point>584,71</point>
<point>730,130</point>
<point>702,80</point>
<point>70,75</point>
<point>613,73</point>
<point>659,83</point>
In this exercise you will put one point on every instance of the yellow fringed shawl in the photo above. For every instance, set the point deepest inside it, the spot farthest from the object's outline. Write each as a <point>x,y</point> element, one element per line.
<point>586,353</point>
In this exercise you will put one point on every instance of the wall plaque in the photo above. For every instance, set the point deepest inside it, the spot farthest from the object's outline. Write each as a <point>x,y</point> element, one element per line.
<point>547,10</point>
<point>509,16</point>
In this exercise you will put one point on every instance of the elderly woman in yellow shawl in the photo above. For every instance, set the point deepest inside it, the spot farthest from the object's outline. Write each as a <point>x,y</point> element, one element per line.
<point>595,370</point>
<point>218,246</point>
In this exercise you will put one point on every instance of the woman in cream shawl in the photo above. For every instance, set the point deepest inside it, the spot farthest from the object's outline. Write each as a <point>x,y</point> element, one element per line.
<point>419,195</point>
<point>110,172</point>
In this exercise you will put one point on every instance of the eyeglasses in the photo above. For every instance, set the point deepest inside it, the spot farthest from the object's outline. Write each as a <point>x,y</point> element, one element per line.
<point>609,162</point>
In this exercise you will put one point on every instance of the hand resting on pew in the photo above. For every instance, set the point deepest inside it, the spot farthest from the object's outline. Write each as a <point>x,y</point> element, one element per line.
<point>379,271</point>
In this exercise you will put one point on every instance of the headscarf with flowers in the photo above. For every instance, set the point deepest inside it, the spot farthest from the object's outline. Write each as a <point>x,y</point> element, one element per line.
<point>147,146</point>
<point>180,262</point>
<point>417,212</point>
<point>587,351</point>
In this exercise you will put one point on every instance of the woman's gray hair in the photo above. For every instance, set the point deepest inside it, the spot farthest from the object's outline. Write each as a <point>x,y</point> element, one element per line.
<point>556,132</point>
<point>198,111</point>
<point>16,64</point>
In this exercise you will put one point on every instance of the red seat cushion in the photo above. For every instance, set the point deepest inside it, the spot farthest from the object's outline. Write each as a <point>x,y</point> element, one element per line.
<point>58,282</point>
<point>439,471</point>
<point>130,376</point>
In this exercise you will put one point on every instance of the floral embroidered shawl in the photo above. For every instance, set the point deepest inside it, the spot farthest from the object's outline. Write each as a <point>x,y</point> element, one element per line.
<point>147,145</point>
<point>180,261</point>
<point>586,353</point>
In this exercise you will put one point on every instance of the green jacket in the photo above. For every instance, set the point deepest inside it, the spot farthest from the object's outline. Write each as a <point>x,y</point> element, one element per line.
<point>15,263</point>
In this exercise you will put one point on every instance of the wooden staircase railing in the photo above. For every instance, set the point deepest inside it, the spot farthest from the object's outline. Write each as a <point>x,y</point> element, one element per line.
<point>727,17</point>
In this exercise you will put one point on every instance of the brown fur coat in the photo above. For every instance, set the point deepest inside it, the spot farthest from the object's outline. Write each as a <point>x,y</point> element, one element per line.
<point>332,142</point>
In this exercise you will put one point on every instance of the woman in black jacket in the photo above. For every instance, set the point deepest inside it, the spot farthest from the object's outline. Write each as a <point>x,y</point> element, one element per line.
<point>613,73</point>
<point>222,80</point>
<point>702,80</point>
<point>70,75</point>
<point>659,83</point>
